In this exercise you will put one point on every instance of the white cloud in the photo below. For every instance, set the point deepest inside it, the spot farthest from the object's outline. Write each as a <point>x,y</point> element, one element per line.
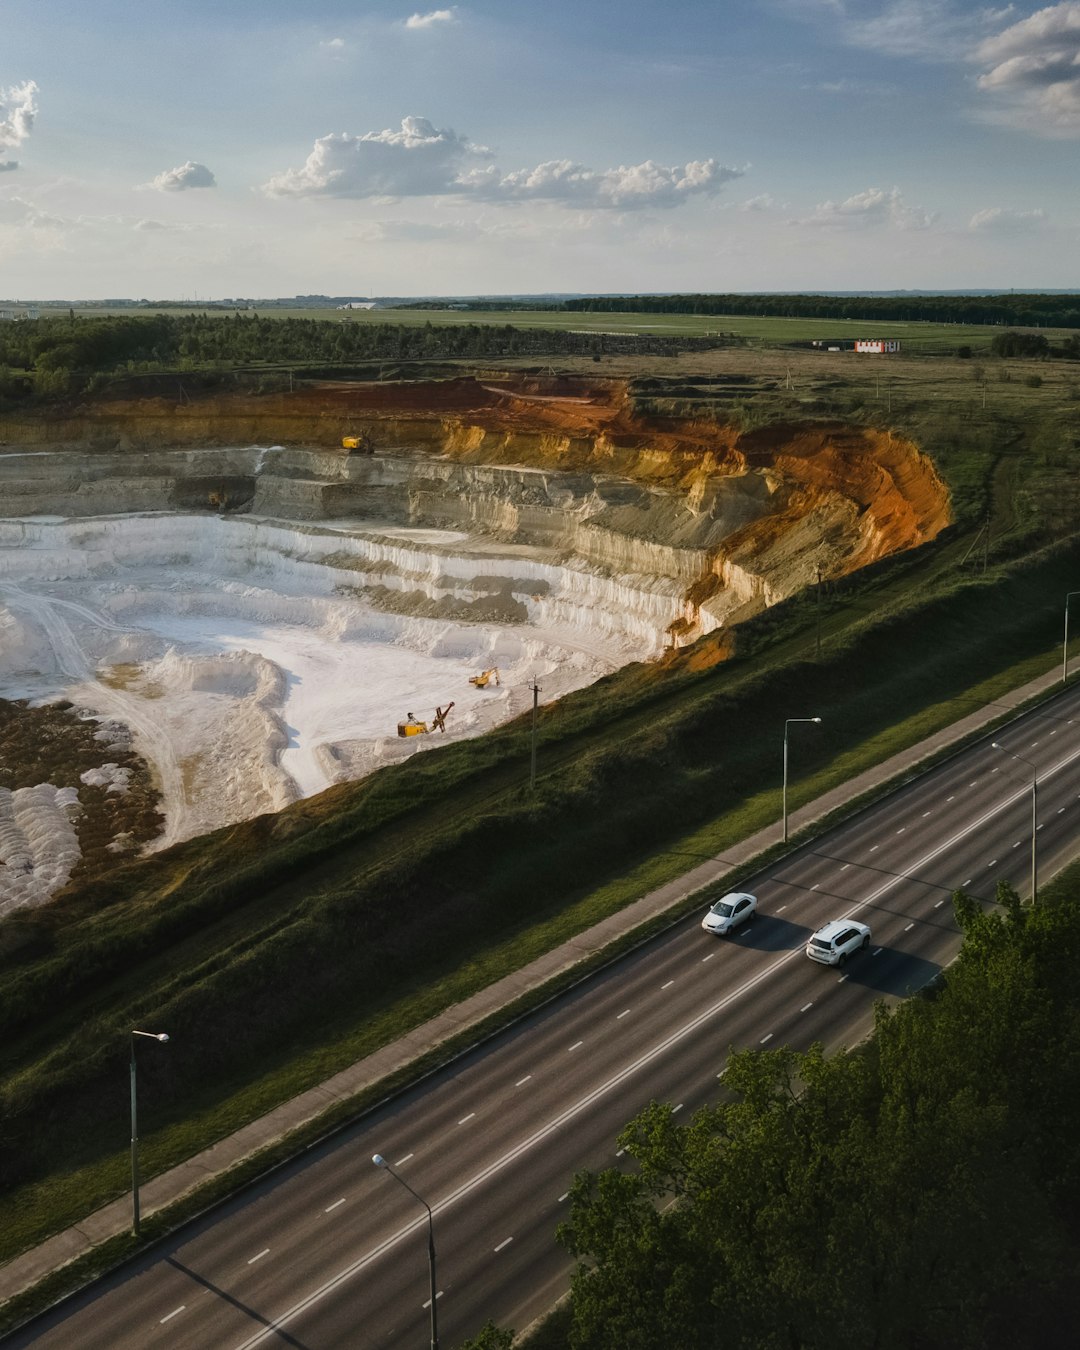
<point>873,207</point>
<point>764,201</point>
<point>1002,220</point>
<point>185,176</point>
<point>422,160</point>
<point>419,160</point>
<point>17,113</point>
<point>1035,70</point>
<point>429,20</point>
<point>334,44</point>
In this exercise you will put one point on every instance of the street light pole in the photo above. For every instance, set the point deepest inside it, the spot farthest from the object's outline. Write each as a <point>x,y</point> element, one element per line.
<point>380,1161</point>
<point>788,723</point>
<point>1034,818</point>
<point>532,750</point>
<point>1065,644</point>
<point>153,1036</point>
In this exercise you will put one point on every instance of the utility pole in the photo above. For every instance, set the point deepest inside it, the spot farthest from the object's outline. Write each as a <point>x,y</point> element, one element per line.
<point>532,758</point>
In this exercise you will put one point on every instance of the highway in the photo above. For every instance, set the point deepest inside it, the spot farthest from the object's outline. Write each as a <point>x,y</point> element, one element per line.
<point>331,1252</point>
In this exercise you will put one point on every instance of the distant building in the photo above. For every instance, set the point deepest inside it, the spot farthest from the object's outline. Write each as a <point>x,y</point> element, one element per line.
<point>877,346</point>
<point>358,304</point>
<point>6,314</point>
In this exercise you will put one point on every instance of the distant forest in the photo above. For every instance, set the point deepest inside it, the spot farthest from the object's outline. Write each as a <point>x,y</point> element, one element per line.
<point>1025,311</point>
<point>61,355</point>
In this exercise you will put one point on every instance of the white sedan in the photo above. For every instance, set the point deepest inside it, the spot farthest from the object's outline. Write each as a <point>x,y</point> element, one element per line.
<point>728,912</point>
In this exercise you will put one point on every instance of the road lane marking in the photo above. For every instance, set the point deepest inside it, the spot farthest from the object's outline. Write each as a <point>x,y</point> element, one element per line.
<point>909,928</point>
<point>505,1243</point>
<point>565,1195</point>
<point>845,867</point>
<point>939,904</point>
<point>950,799</point>
<point>465,1119</point>
<point>877,951</point>
<point>172,1314</point>
<point>265,1252</point>
<point>661,1048</point>
<point>576,1046</point>
<point>619,1152</point>
<point>992,862</point>
<point>709,957</point>
<point>1060,810</point>
<point>668,985</point>
<point>874,848</point>
<point>521,1081</point>
<point>624,1012</point>
<point>765,1038</point>
<point>334,1205</point>
<point>806,1007</point>
<point>405,1159</point>
<point>968,882</point>
<point>925,814</point>
<point>428,1303</point>
<point>781,909</point>
<point>676,1108</point>
<point>815,885</point>
<point>901,829</point>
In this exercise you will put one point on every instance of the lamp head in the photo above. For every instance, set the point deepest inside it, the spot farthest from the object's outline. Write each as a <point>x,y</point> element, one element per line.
<point>995,745</point>
<point>815,719</point>
<point>378,1160</point>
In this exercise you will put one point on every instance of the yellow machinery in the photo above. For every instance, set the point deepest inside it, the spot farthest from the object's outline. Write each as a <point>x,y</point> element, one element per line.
<point>484,679</point>
<point>411,727</point>
<point>358,445</point>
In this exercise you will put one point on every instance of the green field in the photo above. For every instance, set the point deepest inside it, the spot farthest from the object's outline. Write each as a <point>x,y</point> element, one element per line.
<point>921,338</point>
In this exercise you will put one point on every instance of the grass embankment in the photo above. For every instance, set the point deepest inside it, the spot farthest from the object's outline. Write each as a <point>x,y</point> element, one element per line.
<point>282,949</point>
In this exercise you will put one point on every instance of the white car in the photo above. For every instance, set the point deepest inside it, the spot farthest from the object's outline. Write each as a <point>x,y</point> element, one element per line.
<point>833,944</point>
<point>728,912</point>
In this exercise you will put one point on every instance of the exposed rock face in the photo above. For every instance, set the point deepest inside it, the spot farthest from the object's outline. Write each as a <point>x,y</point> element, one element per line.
<point>733,521</point>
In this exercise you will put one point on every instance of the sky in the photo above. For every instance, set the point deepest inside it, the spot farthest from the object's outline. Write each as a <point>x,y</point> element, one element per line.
<point>212,149</point>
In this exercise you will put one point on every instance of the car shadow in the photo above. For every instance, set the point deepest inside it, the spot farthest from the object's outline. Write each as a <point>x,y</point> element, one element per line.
<point>768,933</point>
<point>891,971</point>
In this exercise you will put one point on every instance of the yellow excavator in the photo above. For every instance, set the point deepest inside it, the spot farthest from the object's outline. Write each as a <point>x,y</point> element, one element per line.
<point>360,444</point>
<point>411,727</point>
<point>485,677</point>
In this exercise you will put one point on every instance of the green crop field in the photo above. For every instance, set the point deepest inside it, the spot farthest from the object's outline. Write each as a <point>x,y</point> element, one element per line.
<point>919,338</point>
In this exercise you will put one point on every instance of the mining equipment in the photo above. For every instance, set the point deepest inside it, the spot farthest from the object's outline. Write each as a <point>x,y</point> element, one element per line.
<point>411,727</point>
<point>360,444</point>
<point>485,677</point>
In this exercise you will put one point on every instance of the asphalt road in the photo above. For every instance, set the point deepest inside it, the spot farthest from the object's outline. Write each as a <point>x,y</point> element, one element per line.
<point>332,1252</point>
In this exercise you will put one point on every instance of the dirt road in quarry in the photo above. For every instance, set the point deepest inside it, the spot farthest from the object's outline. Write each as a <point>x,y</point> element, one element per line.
<point>152,738</point>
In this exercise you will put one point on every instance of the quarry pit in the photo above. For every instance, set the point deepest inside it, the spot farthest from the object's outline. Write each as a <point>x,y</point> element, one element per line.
<point>225,591</point>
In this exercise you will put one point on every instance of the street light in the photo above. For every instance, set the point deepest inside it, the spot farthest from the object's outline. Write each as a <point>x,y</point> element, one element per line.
<point>1034,813</point>
<point>380,1161</point>
<point>153,1036</point>
<point>788,723</point>
<point>1065,644</point>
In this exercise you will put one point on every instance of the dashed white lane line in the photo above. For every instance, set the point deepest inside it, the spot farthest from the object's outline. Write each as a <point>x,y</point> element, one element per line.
<point>522,1081</point>
<point>845,867</point>
<point>465,1119</point>
<point>1017,844</point>
<point>938,904</point>
<point>565,1196</point>
<point>950,799</point>
<point>172,1314</point>
<point>505,1243</point>
<point>877,951</point>
<point>992,862</point>
<point>841,979</point>
<point>873,848</point>
<point>909,928</point>
<point>1060,810</point>
<point>806,1007</point>
<point>668,985</point>
<point>676,1108</point>
<point>709,957</point>
<point>625,1012</point>
<point>968,882</point>
<point>427,1303</point>
<point>619,1152</point>
<point>781,909</point>
<point>334,1205</point>
<point>975,784</point>
<point>901,829</point>
<point>925,814</point>
<point>1039,826</point>
<point>259,1256</point>
<point>765,1038</point>
<point>405,1159</point>
<point>576,1046</point>
<point>815,885</point>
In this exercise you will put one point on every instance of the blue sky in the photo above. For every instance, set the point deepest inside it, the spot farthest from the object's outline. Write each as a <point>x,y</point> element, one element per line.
<point>182,148</point>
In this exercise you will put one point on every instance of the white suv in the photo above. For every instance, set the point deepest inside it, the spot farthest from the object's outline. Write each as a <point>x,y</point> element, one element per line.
<point>833,944</point>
